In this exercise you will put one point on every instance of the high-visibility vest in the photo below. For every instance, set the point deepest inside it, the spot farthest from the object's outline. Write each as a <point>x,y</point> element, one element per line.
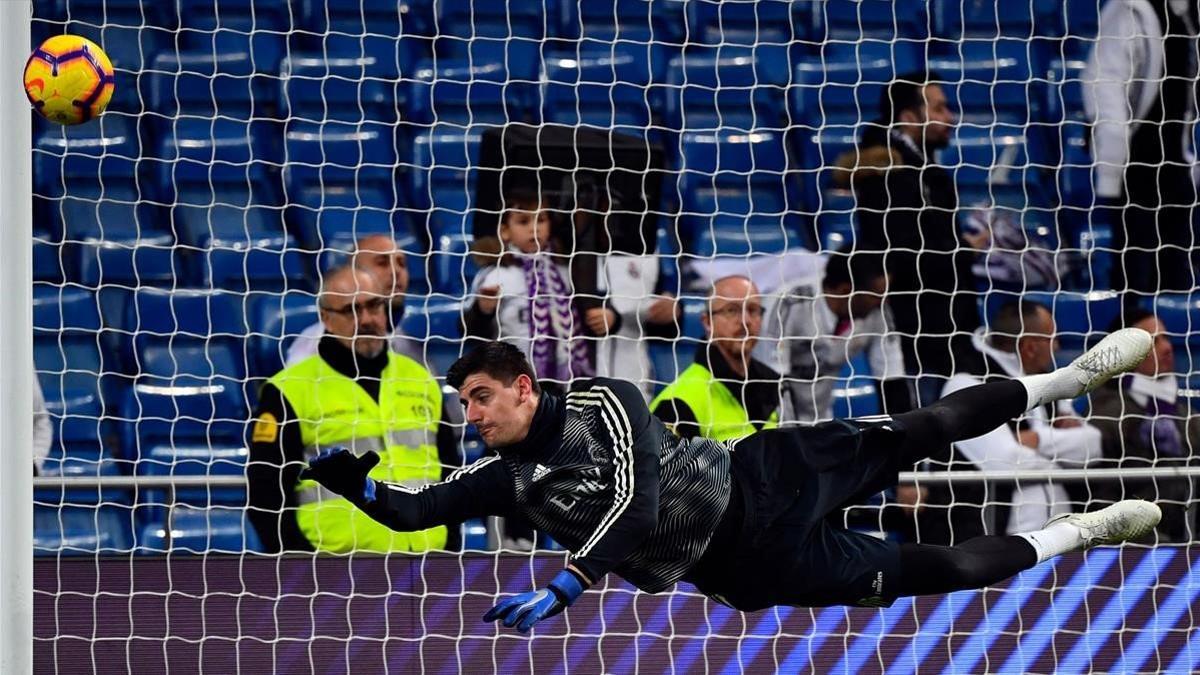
<point>720,414</point>
<point>334,411</point>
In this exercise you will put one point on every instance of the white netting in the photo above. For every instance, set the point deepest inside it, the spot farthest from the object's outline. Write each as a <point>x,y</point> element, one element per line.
<point>180,241</point>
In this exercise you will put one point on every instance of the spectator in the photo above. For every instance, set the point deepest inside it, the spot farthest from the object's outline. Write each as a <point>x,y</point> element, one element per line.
<point>1139,90</point>
<point>355,393</point>
<point>906,207</point>
<point>810,333</point>
<point>725,393</point>
<point>523,294</point>
<point>381,255</point>
<point>43,431</point>
<point>1143,424</point>
<point>1021,343</point>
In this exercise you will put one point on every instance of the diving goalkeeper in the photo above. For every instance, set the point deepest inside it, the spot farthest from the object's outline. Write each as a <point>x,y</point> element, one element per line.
<point>745,521</point>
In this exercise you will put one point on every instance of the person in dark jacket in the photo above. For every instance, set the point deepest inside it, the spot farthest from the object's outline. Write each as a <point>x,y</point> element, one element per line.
<point>1143,424</point>
<point>906,207</point>
<point>747,521</point>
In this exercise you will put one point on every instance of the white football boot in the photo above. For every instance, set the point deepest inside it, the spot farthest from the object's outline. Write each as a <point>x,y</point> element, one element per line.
<point>1117,353</point>
<point>1125,520</point>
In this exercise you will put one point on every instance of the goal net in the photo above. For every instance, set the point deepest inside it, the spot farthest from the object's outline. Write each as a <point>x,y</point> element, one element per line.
<point>253,147</point>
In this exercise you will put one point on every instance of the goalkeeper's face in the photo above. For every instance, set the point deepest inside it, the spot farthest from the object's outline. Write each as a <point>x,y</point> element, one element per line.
<point>502,413</point>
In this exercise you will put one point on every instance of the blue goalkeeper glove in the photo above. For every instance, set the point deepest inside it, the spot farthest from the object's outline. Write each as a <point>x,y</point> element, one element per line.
<point>343,473</point>
<point>526,609</point>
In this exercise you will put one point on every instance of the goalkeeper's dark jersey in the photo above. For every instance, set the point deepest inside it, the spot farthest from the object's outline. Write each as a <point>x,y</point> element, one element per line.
<point>597,472</point>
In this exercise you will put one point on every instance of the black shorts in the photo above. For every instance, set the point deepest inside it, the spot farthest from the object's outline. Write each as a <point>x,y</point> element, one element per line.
<point>778,544</point>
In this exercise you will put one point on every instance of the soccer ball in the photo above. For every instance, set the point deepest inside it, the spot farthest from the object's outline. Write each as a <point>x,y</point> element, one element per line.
<point>69,79</point>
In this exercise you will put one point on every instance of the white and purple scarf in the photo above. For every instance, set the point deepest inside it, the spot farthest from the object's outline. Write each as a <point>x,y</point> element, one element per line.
<point>557,347</point>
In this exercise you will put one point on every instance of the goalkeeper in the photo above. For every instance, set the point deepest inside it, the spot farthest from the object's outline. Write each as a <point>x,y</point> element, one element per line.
<point>746,521</point>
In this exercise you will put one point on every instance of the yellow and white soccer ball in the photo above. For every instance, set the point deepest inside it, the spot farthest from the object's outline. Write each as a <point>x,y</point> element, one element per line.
<point>69,79</point>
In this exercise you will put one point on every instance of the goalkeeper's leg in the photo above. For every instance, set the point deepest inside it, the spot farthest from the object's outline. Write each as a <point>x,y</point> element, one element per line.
<point>977,410</point>
<point>983,561</point>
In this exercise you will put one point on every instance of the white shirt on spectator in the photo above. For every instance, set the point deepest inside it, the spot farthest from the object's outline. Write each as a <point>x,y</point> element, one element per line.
<point>1034,502</point>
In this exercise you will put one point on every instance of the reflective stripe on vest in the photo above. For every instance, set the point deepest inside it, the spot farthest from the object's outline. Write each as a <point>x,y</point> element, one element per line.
<point>334,411</point>
<point>718,412</point>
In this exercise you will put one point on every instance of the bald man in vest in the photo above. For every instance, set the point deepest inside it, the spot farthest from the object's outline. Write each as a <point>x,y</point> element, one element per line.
<point>354,392</point>
<point>725,393</point>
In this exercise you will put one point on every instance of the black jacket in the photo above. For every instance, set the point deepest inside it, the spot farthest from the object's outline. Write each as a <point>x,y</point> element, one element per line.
<point>598,473</point>
<point>907,208</point>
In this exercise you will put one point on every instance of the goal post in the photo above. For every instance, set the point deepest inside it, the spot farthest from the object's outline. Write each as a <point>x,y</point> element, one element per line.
<point>16,347</point>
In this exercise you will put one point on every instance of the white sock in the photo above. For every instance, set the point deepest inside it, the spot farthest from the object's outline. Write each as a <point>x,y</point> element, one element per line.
<point>1054,541</point>
<point>1049,387</point>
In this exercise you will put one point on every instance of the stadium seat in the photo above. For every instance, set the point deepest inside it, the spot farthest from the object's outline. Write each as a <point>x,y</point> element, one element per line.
<point>1077,22</point>
<point>734,181</point>
<point>218,151</point>
<point>275,321</point>
<point>67,338</point>
<point>186,318</point>
<point>87,161</point>
<point>855,397</point>
<point>207,84</point>
<point>340,153</point>
<point>148,260</point>
<point>200,530</point>
<point>991,81</point>
<point>641,31</point>
<point>723,88</point>
<point>317,212</point>
<point>83,530</point>
<point>452,264</point>
<point>132,33</point>
<point>51,261</point>
<point>729,239</point>
<point>251,261</point>
<point>836,222</point>
<point>955,19</point>
<point>433,320</point>
<point>79,460</point>
<point>394,34</point>
<point>444,158</point>
<point>349,88</point>
<point>767,26</point>
<point>993,165</point>
<point>506,33</point>
<point>1080,318</point>
<point>465,92</point>
<point>599,88</point>
<point>852,22</point>
<point>201,459</point>
<point>692,328</point>
<point>843,86</point>
<point>255,27</point>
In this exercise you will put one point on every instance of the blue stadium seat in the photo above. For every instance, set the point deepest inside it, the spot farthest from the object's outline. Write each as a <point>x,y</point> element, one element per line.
<point>128,261</point>
<point>729,239</point>
<point>255,27</point>
<point>200,530</point>
<point>186,318</point>
<point>818,153</point>
<point>835,221</point>
<point>728,87</point>
<point>1080,318</point>
<point>79,460</point>
<point>599,88</point>
<point>83,530</point>
<point>88,161</point>
<point>1077,22</point>
<point>767,26</point>
<point>668,358</point>
<point>635,29</point>
<point>993,164</point>
<point>316,212</point>
<point>394,34</point>
<point>501,32</point>
<point>991,81</point>
<point>339,153</point>
<point>215,152</point>
<point>253,261</point>
<point>851,22</point>
<point>51,261</point>
<point>844,85</point>
<point>731,180</point>
<point>434,320</point>
<point>208,84</point>
<point>130,46</point>
<point>955,19</point>
<point>201,459</point>
<point>275,321</point>
<point>346,88</point>
<point>464,92</point>
<point>67,334</point>
<point>453,266</point>
<point>693,307</point>
<point>444,158</point>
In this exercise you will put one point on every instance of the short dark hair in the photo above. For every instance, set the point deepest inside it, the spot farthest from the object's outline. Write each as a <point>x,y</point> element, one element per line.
<point>906,92</point>
<point>857,268</point>
<point>1011,320</point>
<point>521,197</point>
<point>496,359</point>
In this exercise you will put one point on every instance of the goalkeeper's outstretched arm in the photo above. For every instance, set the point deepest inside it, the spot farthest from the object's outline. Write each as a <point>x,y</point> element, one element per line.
<point>481,489</point>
